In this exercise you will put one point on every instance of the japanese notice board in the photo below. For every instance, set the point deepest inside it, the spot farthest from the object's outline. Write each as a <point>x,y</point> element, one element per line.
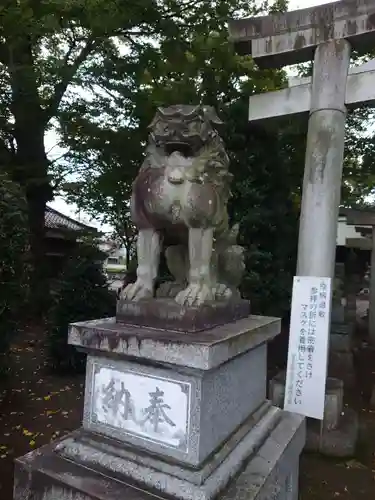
<point>308,346</point>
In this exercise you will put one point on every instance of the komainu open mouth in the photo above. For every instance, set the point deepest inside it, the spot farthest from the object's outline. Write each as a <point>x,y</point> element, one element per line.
<point>178,146</point>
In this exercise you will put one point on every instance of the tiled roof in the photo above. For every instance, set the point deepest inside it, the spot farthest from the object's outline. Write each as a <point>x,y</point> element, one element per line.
<point>346,211</point>
<point>56,220</point>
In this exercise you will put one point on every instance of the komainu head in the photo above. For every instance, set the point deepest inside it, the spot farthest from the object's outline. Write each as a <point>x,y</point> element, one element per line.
<point>184,128</point>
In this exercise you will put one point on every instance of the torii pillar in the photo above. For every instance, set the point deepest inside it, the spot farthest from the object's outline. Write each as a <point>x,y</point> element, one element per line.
<point>327,34</point>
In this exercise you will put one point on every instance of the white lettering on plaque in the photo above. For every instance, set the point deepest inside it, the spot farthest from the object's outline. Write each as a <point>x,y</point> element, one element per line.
<point>148,407</point>
<point>308,346</point>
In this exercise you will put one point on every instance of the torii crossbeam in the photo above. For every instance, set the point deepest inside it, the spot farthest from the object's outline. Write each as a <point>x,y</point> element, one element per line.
<point>291,38</point>
<point>296,99</point>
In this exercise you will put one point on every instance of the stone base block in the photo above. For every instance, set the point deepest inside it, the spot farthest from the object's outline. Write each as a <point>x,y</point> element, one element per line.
<point>176,395</point>
<point>340,342</point>
<point>74,470</point>
<point>201,409</point>
<point>333,399</point>
<point>340,442</point>
<point>341,365</point>
<point>340,429</point>
<point>166,314</point>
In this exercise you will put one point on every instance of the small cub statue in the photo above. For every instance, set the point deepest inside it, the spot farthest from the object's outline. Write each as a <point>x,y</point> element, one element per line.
<point>179,206</point>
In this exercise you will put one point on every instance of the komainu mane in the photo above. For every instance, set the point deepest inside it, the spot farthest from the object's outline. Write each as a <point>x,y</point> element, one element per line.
<point>179,205</point>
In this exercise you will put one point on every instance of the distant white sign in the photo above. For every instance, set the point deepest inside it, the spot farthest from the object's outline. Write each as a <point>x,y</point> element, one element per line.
<point>308,346</point>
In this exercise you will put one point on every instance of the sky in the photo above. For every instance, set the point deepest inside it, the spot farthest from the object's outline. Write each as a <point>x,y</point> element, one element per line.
<point>51,141</point>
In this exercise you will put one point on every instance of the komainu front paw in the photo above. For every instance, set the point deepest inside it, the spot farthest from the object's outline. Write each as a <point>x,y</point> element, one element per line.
<point>136,291</point>
<point>195,295</point>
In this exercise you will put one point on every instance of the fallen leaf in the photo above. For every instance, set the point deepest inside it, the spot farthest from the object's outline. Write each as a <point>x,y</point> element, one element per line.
<point>51,412</point>
<point>354,464</point>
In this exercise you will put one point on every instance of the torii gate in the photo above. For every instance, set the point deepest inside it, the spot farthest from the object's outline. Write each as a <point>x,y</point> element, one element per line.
<point>326,33</point>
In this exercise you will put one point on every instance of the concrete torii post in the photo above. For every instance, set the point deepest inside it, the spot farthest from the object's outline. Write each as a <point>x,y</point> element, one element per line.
<point>326,34</point>
<point>366,218</point>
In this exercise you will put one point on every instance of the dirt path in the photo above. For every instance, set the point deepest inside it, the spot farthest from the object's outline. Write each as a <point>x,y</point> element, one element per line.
<point>352,479</point>
<point>37,407</point>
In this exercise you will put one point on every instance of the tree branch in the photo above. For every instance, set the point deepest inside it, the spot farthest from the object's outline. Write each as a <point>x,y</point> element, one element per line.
<point>6,155</point>
<point>68,73</point>
<point>60,157</point>
<point>4,54</point>
<point>58,182</point>
<point>183,8</point>
<point>133,43</point>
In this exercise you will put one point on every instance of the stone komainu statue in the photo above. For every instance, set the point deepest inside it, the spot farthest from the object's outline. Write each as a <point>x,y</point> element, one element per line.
<point>179,205</point>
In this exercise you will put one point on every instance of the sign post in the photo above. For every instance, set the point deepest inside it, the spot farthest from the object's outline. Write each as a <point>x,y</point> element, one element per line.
<point>308,346</point>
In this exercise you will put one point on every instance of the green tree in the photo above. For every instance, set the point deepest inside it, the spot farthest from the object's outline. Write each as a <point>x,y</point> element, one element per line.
<point>81,294</point>
<point>14,265</point>
<point>54,57</point>
<point>106,137</point>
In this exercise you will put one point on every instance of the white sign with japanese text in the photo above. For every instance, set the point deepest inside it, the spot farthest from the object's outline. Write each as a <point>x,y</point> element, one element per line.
<point>145,406</point>
<point>308,346</point>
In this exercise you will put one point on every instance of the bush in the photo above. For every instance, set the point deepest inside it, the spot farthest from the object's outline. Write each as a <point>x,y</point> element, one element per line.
<point>81,294</point>
<point>14,263</point>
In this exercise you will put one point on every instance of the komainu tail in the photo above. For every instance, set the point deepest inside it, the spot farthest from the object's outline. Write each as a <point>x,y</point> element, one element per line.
<point>232,235</point>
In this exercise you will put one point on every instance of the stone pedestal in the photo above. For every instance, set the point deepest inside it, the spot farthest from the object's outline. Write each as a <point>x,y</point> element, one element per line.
<point>338,433</point>
<point>372,399</point>
<point>342,329</point>
<point>171,415</point>
<point>341,364</point>
<point>340,349</point>
<point>168,315</point>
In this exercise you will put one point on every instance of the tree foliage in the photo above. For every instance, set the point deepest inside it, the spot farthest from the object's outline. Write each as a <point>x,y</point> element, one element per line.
<point>81,294</point>
<point>14,243</point>
<point>190,61</point>
<point>268,170</point>
<point>64,58</point>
